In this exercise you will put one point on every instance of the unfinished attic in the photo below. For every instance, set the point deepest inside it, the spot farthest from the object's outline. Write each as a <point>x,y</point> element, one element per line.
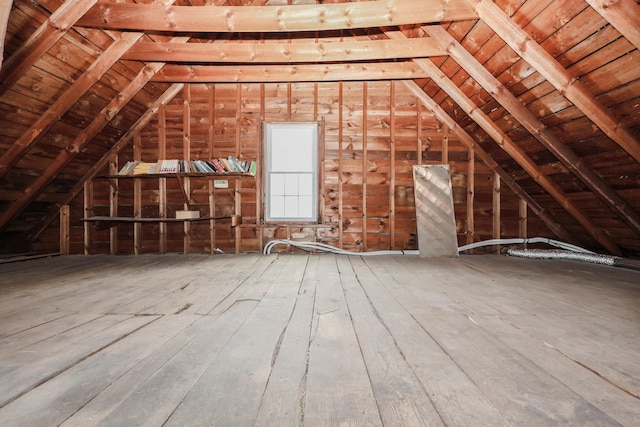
<point>244,158</point>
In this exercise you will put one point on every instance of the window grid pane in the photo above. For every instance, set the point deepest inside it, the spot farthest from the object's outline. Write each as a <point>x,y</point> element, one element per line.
<point>291,172</point>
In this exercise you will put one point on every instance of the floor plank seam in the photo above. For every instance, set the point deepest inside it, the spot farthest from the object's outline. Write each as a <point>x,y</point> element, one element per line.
<point>70,366</point>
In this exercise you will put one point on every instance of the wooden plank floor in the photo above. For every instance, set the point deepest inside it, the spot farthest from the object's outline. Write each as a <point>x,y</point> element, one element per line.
<point>280,340</point>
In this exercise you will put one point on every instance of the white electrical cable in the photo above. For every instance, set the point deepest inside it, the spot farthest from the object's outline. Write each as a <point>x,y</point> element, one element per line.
<point>556,243</point>
<point>328,248</point>
<point>569,252</point>
<point>317,246</point>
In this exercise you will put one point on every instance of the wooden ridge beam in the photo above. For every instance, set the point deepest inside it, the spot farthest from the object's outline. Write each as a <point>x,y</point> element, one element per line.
<point>95,71</point>
<point>469,142</point>
<point>41,41</point>
<point>623,15</point>
<point>291,73</point>
<point>287,18</point>
<point>511,148</point>
<point>308,51</point>
<point>166,97</point>
<point>557,75</point>
<point>78,144</point>
<point>535,127</point>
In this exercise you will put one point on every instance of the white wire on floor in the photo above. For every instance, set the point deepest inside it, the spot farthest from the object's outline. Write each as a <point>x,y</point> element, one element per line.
<point>323,247</point>
<point>568,251</point>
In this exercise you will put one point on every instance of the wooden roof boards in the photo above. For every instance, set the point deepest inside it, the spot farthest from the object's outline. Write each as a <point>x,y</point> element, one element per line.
<point>556,83</point>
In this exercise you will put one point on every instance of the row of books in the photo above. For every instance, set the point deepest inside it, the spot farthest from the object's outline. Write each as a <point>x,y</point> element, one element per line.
<point>221,165</point>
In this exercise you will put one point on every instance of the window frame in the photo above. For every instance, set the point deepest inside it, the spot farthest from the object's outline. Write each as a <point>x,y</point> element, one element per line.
<point>267,133</point>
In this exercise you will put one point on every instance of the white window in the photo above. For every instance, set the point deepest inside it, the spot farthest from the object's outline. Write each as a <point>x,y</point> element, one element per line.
<point>291,172</point>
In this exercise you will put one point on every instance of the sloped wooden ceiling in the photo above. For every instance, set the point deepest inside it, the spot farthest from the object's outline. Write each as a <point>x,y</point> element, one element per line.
<point>547,92</point>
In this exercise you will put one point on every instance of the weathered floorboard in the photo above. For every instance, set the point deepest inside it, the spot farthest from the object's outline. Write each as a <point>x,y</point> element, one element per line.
<point>338,387</point>
<point>317,339</point>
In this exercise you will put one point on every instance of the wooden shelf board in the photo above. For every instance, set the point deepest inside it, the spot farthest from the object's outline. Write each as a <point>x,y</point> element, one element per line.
<point>103,222</point>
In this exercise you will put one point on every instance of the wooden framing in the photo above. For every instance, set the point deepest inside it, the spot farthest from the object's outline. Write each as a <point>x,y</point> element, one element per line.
<point>287,73</point>
<point>496,223</point>
<point>624,15</point>
<point>18,148</point>
<point>557,75</point>
<point>169,94</point>
<point>445,144</point>
<point>290,18</point>
<point>466,139</point>
<point>186,154</point>
<point>39,42</point>
<point>65,156</point>
<point>517,154</point>
<point>516,76</point>
<point>520,112</point>
<point>308,51</point>
<point>211,103</point>
<point>522,219</point>
<point>114,191</point>
<point>87,210</point>
<point>137,197</point>
<point>365,104</point>
<point>64,229</point>
<point>162,182</point>
<point>392,166</point>
<point>471,173</point>
<point>340,165</point>
<point>237,192</point>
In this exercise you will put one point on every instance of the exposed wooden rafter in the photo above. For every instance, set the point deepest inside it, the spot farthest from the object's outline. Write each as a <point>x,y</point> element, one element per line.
<point>308,51</point>
<point>41,40</point>
<point>256,42</point>
<point>547,138</point>
<point>314,17</point>
<point>65,156</point>
<point>557,75</point>
<point>468,141</point>
<point>81,141</point>
<point>109,57</point>
<point>288,73</point>
<point>166,97</point>
<point>624,15</point>
<point>504,142</point>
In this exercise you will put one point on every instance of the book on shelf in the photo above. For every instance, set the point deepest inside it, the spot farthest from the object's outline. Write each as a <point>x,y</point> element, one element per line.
<point>215,165</point>
<point>167,166</point>
<point>218,165</point>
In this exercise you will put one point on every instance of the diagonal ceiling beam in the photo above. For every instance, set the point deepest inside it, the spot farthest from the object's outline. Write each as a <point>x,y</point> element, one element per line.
<point>78,144</point>
<point>624,15</point>
<point>95,71</point>
<point>557,75</point>
<point>165,98</point>
<point>511,148</point>
<point>468,141</point>
<point>289,73</point>
<point>530,122</point>
<point>288,18</point>
<point>305,51</point>
<point>41,41</point>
